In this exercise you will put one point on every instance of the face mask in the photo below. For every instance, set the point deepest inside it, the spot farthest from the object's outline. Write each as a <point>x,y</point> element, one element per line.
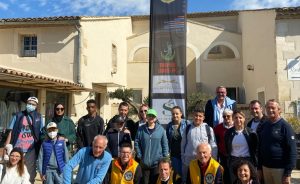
<point>30,108</point>
<point>52,135</point>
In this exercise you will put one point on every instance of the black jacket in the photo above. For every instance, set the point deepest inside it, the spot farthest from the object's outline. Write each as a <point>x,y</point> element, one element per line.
<point>261,121</point>
<point>129,123</point>
<point>251,139</point>
<point>115,139</point>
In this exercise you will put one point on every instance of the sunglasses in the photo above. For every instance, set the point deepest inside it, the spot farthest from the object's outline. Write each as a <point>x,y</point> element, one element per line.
<point>141,111</point>
<point>59,109</point>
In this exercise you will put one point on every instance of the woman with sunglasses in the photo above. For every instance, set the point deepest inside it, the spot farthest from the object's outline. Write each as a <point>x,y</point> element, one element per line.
<point>66,127</point>
<point>240,142</point>
<point>15,172</point>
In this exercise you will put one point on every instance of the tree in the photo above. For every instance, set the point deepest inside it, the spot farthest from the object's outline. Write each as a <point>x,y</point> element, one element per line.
<point>125,95</point>
<point>197,101</point>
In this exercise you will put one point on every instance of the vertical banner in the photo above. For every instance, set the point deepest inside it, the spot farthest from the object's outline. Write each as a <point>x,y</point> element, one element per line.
<point>167,87</point>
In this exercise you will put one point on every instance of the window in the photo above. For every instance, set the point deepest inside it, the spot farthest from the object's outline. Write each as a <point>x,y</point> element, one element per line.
<point>220,52</point>
<point>29,46</point>
<point>232,92</point>
<point>137,96</point>
<point>114,59</point>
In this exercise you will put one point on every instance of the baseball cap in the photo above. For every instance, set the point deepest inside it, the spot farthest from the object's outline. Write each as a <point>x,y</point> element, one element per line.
<point>152,112</point>
<point>32,98</point>
<point>51,125</point>
<point>119,119</point>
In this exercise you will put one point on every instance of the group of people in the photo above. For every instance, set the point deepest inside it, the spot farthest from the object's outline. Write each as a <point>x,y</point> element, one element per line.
<point>216,146</point>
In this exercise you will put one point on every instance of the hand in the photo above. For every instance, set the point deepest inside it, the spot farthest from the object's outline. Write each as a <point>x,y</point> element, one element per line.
<point>63,139</point>
<point>43,177</point>
<point>286,179</point>
<point>126,131</point>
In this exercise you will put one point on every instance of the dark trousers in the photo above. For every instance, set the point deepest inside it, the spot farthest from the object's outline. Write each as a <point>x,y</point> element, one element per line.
<point>30,162</point>
<point>150,175</point>
<point>224,163</point>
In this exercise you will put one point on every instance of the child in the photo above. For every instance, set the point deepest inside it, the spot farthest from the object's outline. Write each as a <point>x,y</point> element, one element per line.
<point>52,157</point>
<point>195,133</point>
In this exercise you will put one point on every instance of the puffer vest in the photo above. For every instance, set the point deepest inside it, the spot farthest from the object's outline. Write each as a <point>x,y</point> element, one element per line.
<point>59,152</point>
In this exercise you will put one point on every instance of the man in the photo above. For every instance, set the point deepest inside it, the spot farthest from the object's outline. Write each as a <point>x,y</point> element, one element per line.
<point>129,123</point>
<point>277,151</point>
<point>258,119</point>
<point>124,169</point>
<point>89,125</point>
<point>214,108</point>
<point>26,133</point>
<point>204,169</point>
<point>166,174</point>
<point>195,133</point>
<point>93,163</point>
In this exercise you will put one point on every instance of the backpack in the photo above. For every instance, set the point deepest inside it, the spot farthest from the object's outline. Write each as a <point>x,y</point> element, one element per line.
<point>187,129</point>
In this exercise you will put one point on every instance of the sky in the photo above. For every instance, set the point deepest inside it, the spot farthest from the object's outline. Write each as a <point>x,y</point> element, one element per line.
<point>47,8</point>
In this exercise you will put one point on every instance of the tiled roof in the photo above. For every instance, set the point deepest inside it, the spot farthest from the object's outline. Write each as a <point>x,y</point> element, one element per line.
<point>26,78</point>
<point>39,19</point>
<point>288,13</point>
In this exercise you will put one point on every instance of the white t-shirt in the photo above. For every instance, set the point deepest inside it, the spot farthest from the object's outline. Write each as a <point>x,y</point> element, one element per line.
<point>240,146</point>
<point>254,125</point>
<point>12,176</point>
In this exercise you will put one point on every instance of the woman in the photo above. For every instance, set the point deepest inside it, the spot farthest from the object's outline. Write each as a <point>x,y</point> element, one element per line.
<point>240,142</point>
<point>220,131</point>
<point>245,173</point>
<point>66,127</point>
<point>151,144</point>
<point>15,172</point>
<point>175,131</point>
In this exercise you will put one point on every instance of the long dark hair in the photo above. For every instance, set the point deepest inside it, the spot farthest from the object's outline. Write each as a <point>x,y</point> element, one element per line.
<point>20,164</point>
<point>57,118</point>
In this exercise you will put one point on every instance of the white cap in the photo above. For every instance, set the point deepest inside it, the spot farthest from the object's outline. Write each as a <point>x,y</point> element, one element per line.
<point>32,98</point>
<point>51,125</point>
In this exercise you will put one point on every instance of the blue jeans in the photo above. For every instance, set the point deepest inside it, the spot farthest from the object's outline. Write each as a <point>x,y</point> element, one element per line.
<point>177,165</point>
<point>53,177</point>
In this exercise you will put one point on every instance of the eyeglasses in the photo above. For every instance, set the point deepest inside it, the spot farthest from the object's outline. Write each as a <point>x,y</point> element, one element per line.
<point>15,156</point>
<point>59,109</point>
<point>228,116</point>
<point>141,111</point>
<point>125,153</point>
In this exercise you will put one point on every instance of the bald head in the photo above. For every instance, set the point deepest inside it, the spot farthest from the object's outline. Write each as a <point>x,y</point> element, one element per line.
<point>204,152</point>
<point>99,145</point>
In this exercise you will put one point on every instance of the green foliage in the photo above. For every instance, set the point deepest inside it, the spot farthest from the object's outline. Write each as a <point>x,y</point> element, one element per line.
<point>197,100</point>
<point>125,95</point>
<point>146,100</point>
<point>295,123</point>
<point>122,94</point>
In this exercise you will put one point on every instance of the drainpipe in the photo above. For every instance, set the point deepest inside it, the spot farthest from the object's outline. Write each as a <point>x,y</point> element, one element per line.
<point>78,26</point>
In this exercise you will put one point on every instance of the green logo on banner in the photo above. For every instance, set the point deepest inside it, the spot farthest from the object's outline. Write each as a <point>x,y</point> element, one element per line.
<point>167,1</point>
<point>168,54</point>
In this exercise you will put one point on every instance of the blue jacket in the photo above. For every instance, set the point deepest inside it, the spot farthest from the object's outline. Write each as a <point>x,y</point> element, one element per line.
<point>59,151</point>
<point>92,170</point>
<point>150,148</point>
<point>211,116</point>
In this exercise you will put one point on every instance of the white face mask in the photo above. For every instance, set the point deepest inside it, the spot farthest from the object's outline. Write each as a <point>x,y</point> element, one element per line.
<point>52,135</point>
